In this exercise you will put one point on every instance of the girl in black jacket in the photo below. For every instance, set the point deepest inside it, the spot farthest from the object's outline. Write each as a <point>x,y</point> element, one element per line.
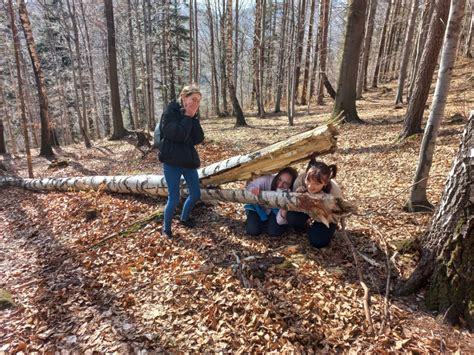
<point>180,132</point>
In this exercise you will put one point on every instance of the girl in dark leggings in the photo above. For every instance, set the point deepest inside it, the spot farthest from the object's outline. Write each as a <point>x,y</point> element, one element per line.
<point>269,220</point>
<point>318,178</point>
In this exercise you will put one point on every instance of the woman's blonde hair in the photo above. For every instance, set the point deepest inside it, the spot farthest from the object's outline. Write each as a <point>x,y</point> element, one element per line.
<point>188,90</point>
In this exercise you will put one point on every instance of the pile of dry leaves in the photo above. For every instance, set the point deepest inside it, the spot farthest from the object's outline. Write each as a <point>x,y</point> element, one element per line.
<point>112,282</point>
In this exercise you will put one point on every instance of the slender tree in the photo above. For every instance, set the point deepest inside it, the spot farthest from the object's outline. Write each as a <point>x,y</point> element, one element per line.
<point>323,47</point>
<point>281,57</point>
<point>307,62</point>
<point>133,65</point>
<point>16,44</point>
<point>416,106</point>
<point>240,119</point>
<point>362,76</point>
<point>383,36</point>
<point>46,144</point>
<point>418,199</point>
<point>119,130</point>
<point>346,87</point>
<point>406,52</point>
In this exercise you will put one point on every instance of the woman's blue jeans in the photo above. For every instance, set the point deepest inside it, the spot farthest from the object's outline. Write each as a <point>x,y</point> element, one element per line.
<point>173,177</point>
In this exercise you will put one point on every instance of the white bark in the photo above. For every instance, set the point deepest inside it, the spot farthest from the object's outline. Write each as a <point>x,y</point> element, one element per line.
<point>448,57</point>
<point>272,158</point>
<point>323,207</point>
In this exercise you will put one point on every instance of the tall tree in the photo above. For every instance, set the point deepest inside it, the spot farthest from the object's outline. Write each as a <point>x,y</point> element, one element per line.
<point>119,130</point>
<point>323,47</point>
<point>383,36</point>
<point>307,62</point>
<point>16,44</point>
<point>446,265</point>
<point>418,199</point>
<point>133,66</point>
<point>281,57</point>
<point>80,111</point>
<point>416,106</point>
<point>362,76</point>
<point>406,52</point>
<point>467,45</point>
<point>257,54</point>
<point>346,86</point>
<point>46,144</point>
<point>240,119</point>
<point>214,78</point>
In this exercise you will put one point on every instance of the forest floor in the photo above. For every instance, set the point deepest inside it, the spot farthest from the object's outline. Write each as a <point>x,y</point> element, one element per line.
<point>140,291</point>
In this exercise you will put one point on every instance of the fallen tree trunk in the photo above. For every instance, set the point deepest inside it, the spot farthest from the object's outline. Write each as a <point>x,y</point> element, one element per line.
<point>323,207</point>
<point>272,158</point>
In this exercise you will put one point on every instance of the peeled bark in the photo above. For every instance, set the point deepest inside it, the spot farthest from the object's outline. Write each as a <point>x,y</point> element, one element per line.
<point>323,207</point>
<point>272,158</point>
<point>446,266</point>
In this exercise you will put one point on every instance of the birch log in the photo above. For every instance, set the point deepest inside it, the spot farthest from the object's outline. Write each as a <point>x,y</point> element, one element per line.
<point>272,158</point>
<point>323,207</point>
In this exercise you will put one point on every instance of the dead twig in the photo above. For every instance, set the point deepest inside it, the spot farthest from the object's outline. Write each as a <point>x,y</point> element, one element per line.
<point>361,280</point>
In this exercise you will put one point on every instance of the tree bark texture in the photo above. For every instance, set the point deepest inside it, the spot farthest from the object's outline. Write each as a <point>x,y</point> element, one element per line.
<point>446,266</point>
<point>406,52</point>
<point>362,76</point>
<point>46,146</point>
<point>119,130</point>
<point>322,46</point>
<point>323,207</point>
<point>416,106</point>
<point>16,44</point>
<point>378,63</point>
<point>346,86</point>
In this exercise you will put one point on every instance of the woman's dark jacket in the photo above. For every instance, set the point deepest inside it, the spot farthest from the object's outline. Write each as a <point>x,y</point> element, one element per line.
<point>179,134</point>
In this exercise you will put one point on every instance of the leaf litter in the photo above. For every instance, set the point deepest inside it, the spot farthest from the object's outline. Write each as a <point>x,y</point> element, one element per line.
<point>139,291</point>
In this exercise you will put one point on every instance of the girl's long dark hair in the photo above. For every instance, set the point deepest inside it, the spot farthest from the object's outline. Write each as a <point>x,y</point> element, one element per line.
<point>292,172</point>
<point>321,173</point>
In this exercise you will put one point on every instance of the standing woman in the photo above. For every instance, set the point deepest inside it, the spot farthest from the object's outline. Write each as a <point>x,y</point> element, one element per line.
<point>180,132</point>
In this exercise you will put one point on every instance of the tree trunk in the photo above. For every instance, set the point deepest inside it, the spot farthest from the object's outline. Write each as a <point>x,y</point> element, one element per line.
<point>90,66</point>
<point>80,113</point>
<point>446,266</point>
<point>346,86</point>
<point>375,79</point>
<point>416,106</point>
<point>6,114</point>
<point>136,118</point>
<point>389,49</point>
<point>324,207</point>
<point>46,146</point>
<point>323,46</point>
<point>428,9</point>
<point>119,130</point>
<point>222,59</point>
<point>256,53</point>
<point>197,72</point>
<point>467,45</point>
<point>291,77</point>
<point>281,57</point>
<point>362,76</point>
<point>406,53</point>
<point>309,45</point>
<point>16,44</point>
<point>240,119</point>
<point>3,147</point>
<point>300,28</point>
<point>418,199</point>
<point>214,81</point>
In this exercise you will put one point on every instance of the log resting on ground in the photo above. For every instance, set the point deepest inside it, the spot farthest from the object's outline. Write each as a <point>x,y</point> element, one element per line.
<point>323,207</point>
<point>272,158</point>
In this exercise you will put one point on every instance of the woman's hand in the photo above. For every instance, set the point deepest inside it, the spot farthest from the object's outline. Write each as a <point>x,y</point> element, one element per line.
<point>255,190</point>
<point>283,213</point>
<point>191,108</point>
<point>301,189</point>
